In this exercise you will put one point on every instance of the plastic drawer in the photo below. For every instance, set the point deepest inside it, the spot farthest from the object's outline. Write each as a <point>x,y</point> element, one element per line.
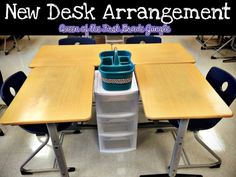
<point>118,144</point>
<point>119,125</point>
<point>117,104</point>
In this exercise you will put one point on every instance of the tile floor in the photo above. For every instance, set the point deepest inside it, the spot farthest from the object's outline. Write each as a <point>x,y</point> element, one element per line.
<point>81,151</point>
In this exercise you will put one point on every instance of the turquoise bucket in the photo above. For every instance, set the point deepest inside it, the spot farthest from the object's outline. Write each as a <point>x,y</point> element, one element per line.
<point>116,69</point>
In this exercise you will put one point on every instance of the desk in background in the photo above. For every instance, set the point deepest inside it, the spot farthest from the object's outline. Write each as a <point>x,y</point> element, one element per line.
<point>157,53</point>
<point>74,55</point>
<point>68,55</point>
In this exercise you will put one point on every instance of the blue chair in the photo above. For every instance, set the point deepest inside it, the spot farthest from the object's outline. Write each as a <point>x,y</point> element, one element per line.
<point>1,81</point>
<point>15,82</point>
<point>76,40</point>
<point>216,77</point>
<point>145,39</point>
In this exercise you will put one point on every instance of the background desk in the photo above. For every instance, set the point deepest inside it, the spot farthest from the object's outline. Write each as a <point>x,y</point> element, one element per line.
<point>178,91</point>
<point>157,53</point>
<point>74,55</point>
<point>68,55</point>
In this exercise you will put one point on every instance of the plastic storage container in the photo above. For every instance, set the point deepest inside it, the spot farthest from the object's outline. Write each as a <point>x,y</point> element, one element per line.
<point>118,102</point>
<point>116,69</point>
<point>117,117</point>
<point>109,144</point>
<point>110,126</point>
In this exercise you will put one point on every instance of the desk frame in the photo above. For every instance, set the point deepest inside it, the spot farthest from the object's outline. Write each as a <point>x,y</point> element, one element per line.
<point>58,151</point>
<point>174,163</point>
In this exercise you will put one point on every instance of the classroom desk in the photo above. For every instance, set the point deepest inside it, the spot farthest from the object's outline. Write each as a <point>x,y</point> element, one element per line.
<point>53,95</point>
<point>178,91</point>
<point>68,55</point>
<point>157,53</point>
<point>74,55</point>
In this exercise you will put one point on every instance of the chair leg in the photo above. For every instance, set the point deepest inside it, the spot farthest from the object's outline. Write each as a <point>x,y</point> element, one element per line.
<point>229,60</point>
<point>217,51</point>
<point>205,47</point>
<point>16,43</point>
<point>1,132</point>
<point>5,46</point>
<point>209,165</point>
<point>31,171</point>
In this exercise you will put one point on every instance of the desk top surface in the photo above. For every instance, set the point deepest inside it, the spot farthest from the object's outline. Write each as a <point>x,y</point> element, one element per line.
<point>173,91</point>
<point>68,55</point>
<point>74,55</point>
<point>52,95</point>
<point>157,53</point>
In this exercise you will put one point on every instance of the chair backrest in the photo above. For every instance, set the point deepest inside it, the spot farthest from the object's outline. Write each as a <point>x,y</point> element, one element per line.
<point>76,40</point>
<point>145,39</point>
<point>13,82</point>
<point>218,78</point>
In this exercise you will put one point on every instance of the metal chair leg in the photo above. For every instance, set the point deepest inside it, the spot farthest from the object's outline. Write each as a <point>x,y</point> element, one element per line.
<point>217,51</point>
<point>209,165</point>
<point>31,171</point>
<point>232,59</point>
<point>2,107</point>
<point>5,46</point>
<point>16,43</point>
<point>1,132</point>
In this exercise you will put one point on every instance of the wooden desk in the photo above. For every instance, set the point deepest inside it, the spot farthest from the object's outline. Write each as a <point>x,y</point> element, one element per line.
<point>52,95</point>
<point>178,91</point>
<point>174,91</point>
<point>157,53</point>
<point>68,55</point>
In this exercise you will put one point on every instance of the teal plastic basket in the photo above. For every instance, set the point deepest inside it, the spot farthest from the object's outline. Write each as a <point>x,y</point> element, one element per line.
<point>116,70</point>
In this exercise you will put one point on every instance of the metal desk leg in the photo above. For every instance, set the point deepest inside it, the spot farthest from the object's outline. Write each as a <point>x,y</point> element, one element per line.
<point>176,154</point>
<point>183,125</point>
<point>52,129</point>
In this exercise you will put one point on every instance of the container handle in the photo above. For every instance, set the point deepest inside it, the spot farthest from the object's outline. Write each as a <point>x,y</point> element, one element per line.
<point>116,59</point>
